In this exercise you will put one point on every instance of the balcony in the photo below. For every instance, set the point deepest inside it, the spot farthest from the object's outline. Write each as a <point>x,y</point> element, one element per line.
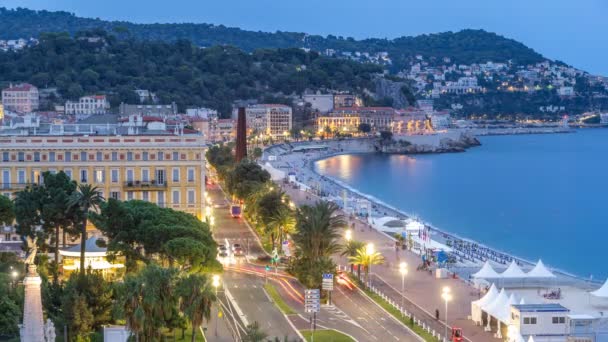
<point>144,185</point>
<point>14,186</point>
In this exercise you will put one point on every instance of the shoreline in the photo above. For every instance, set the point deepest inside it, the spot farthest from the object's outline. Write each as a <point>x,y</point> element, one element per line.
<point>386,209</point>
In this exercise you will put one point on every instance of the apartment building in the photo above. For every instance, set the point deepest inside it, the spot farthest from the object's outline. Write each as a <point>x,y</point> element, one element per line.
<point>273,120</point>
<point>88,105</point>
<point>347,119</point>
<point>22,98</point>
<point>162,168</point>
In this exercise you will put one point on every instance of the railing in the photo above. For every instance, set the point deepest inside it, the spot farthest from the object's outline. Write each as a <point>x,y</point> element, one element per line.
<point>14,186</point>
<point>144,185</point>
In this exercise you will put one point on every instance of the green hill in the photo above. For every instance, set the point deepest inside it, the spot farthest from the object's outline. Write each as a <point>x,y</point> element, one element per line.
<point>465,46</point>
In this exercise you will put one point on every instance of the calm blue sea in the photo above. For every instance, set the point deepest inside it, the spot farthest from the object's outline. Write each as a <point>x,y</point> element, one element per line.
<point>535,196</point>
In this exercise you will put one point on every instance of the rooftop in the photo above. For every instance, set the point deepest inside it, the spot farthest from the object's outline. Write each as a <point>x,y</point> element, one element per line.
<point>550,307</point>
<point>20,87</point>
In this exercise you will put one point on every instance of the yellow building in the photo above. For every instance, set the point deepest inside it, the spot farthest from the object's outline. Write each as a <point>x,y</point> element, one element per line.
<point>163,166</point>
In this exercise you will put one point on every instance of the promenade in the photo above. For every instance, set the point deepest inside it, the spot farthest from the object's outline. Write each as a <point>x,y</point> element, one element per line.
<point>422,290</point>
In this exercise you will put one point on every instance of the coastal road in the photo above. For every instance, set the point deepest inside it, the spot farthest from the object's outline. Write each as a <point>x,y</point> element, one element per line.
<point>352,312</point>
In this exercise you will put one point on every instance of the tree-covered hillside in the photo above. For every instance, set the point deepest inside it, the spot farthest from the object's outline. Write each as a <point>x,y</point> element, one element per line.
<point>176,71</point>
<point>467,46</point>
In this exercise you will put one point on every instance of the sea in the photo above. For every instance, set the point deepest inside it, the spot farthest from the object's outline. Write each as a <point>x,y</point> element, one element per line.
<point>534,196</point>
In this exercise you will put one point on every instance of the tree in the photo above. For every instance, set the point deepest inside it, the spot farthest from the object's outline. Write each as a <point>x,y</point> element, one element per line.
<point>350,249</point>
<point>367,258</point>
<point>9,319</point>
<point>197,297</point>
<point>7,211</point>
<point>257,153</point>
<point>87,197</point>
<point>149,301</point>
<point>245,178</point>
<point>316,239</point>
<point>254,333</point>
<point>78,315</point>
<point>282,222</point>
<point>386,136</point>
<point>364,128</point>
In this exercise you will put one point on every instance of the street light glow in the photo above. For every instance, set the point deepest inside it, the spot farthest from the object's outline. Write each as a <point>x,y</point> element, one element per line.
<point>403,268</point>
<point>369,249</point>
<point>348,235</point>
<point>14,274</point>
<point>215,281</point>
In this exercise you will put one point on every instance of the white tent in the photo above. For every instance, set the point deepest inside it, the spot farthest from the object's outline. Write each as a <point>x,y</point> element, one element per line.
<point>513,271</point>
<point>602,291</point>
<point>494,306</point>
<point>531,339</point>
<point>522,301</point>
<point>540,271</point>
<point>477,304</point>
<point>504,313</point>
<point>486,271</point>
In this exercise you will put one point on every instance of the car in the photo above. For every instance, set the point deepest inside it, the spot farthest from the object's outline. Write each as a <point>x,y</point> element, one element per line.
<point>222,250</point>
<point>223,253</point>
<point>343,280</point>
<point>238,251</point>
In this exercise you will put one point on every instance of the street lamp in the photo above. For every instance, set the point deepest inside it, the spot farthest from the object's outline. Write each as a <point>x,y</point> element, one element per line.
<point>403,271</point>
<point>369,250</point>
<point>447,296</point>
<point>348,235</point>
<point>216,283</point>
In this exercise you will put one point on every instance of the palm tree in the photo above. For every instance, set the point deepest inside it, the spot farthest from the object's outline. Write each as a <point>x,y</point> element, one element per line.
<point>282,222</point>
<point>318,231</point>
<point>87,197</point>
<point>366,258</point>
<point>196,297</point>
<point>350,249</point>
<point>253,333</point>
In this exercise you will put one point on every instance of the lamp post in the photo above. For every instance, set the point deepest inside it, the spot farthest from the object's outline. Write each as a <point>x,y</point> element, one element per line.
<point>369,250</point>
<point>403,271</point>
<point>348,235</point>
<point>447,296</point>
<point>216,283</point>
<point>14,275</point>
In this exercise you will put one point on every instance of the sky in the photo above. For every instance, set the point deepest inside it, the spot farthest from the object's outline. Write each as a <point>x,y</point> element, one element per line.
<point>573,31</point>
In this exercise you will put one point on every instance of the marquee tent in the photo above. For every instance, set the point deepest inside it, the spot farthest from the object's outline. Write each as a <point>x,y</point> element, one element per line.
<point>540,271</point>
<point>486,271</point>
<point>477,304</point>
<point>513,271</point>
<point>602,291</point>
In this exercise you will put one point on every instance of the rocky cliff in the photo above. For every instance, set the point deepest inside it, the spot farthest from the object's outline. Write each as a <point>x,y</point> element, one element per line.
<point>445,145</point>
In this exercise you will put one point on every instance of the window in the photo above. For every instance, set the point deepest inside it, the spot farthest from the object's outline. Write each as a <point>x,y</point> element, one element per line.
<point>115,195</point>
<point>145,175</point>
<point>129,175</point>
<point>36,156</point>
<point>160,176</point>
<point>175,197</point>
<point>129,156</point>
<point>83,156</point>
<point>145,195</point>
<point>558,320</point>
<point>6,179</point>
<point>114,156</point>
<point>100,176</point>
<point>84,176</point>
<point>129,195</point>
<point>160,199</point>
<point>5,156</point>
<point>68,172</point>
<point>190,175</point>
<point>51,156</point>
<point>175,174</point>
<point>114,175</point>
<point>191,194</point>
<point>161,156</point>
<point>175,155</point>
<point>145,156</point>
<point>21,156</point>
<point>68,156</point>
<point>99,156</point>
<point>529,320</point>
<point>21,176</point>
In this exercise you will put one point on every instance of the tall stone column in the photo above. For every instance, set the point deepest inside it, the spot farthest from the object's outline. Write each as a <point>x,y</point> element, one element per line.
<point>241,135</point>
<point>32,329</point>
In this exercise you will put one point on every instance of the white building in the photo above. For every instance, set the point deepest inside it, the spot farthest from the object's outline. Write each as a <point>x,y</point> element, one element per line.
<point>544,322</point>
<point>322,103</point>
<point>274,120</point>
<point>88,105</point>
<point>440,120</point>
<point>22,98</point>
<point>565,91</point>
<point>146,96</point>
<point>205,113</point>
<point>604,118</point>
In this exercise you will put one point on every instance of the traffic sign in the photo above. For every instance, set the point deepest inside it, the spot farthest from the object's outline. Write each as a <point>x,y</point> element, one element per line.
<point>312,300</point>
<point>328,282</point>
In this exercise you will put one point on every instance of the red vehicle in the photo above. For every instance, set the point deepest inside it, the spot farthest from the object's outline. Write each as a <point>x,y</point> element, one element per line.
<point>457,335</point>
<point>235,211</point>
